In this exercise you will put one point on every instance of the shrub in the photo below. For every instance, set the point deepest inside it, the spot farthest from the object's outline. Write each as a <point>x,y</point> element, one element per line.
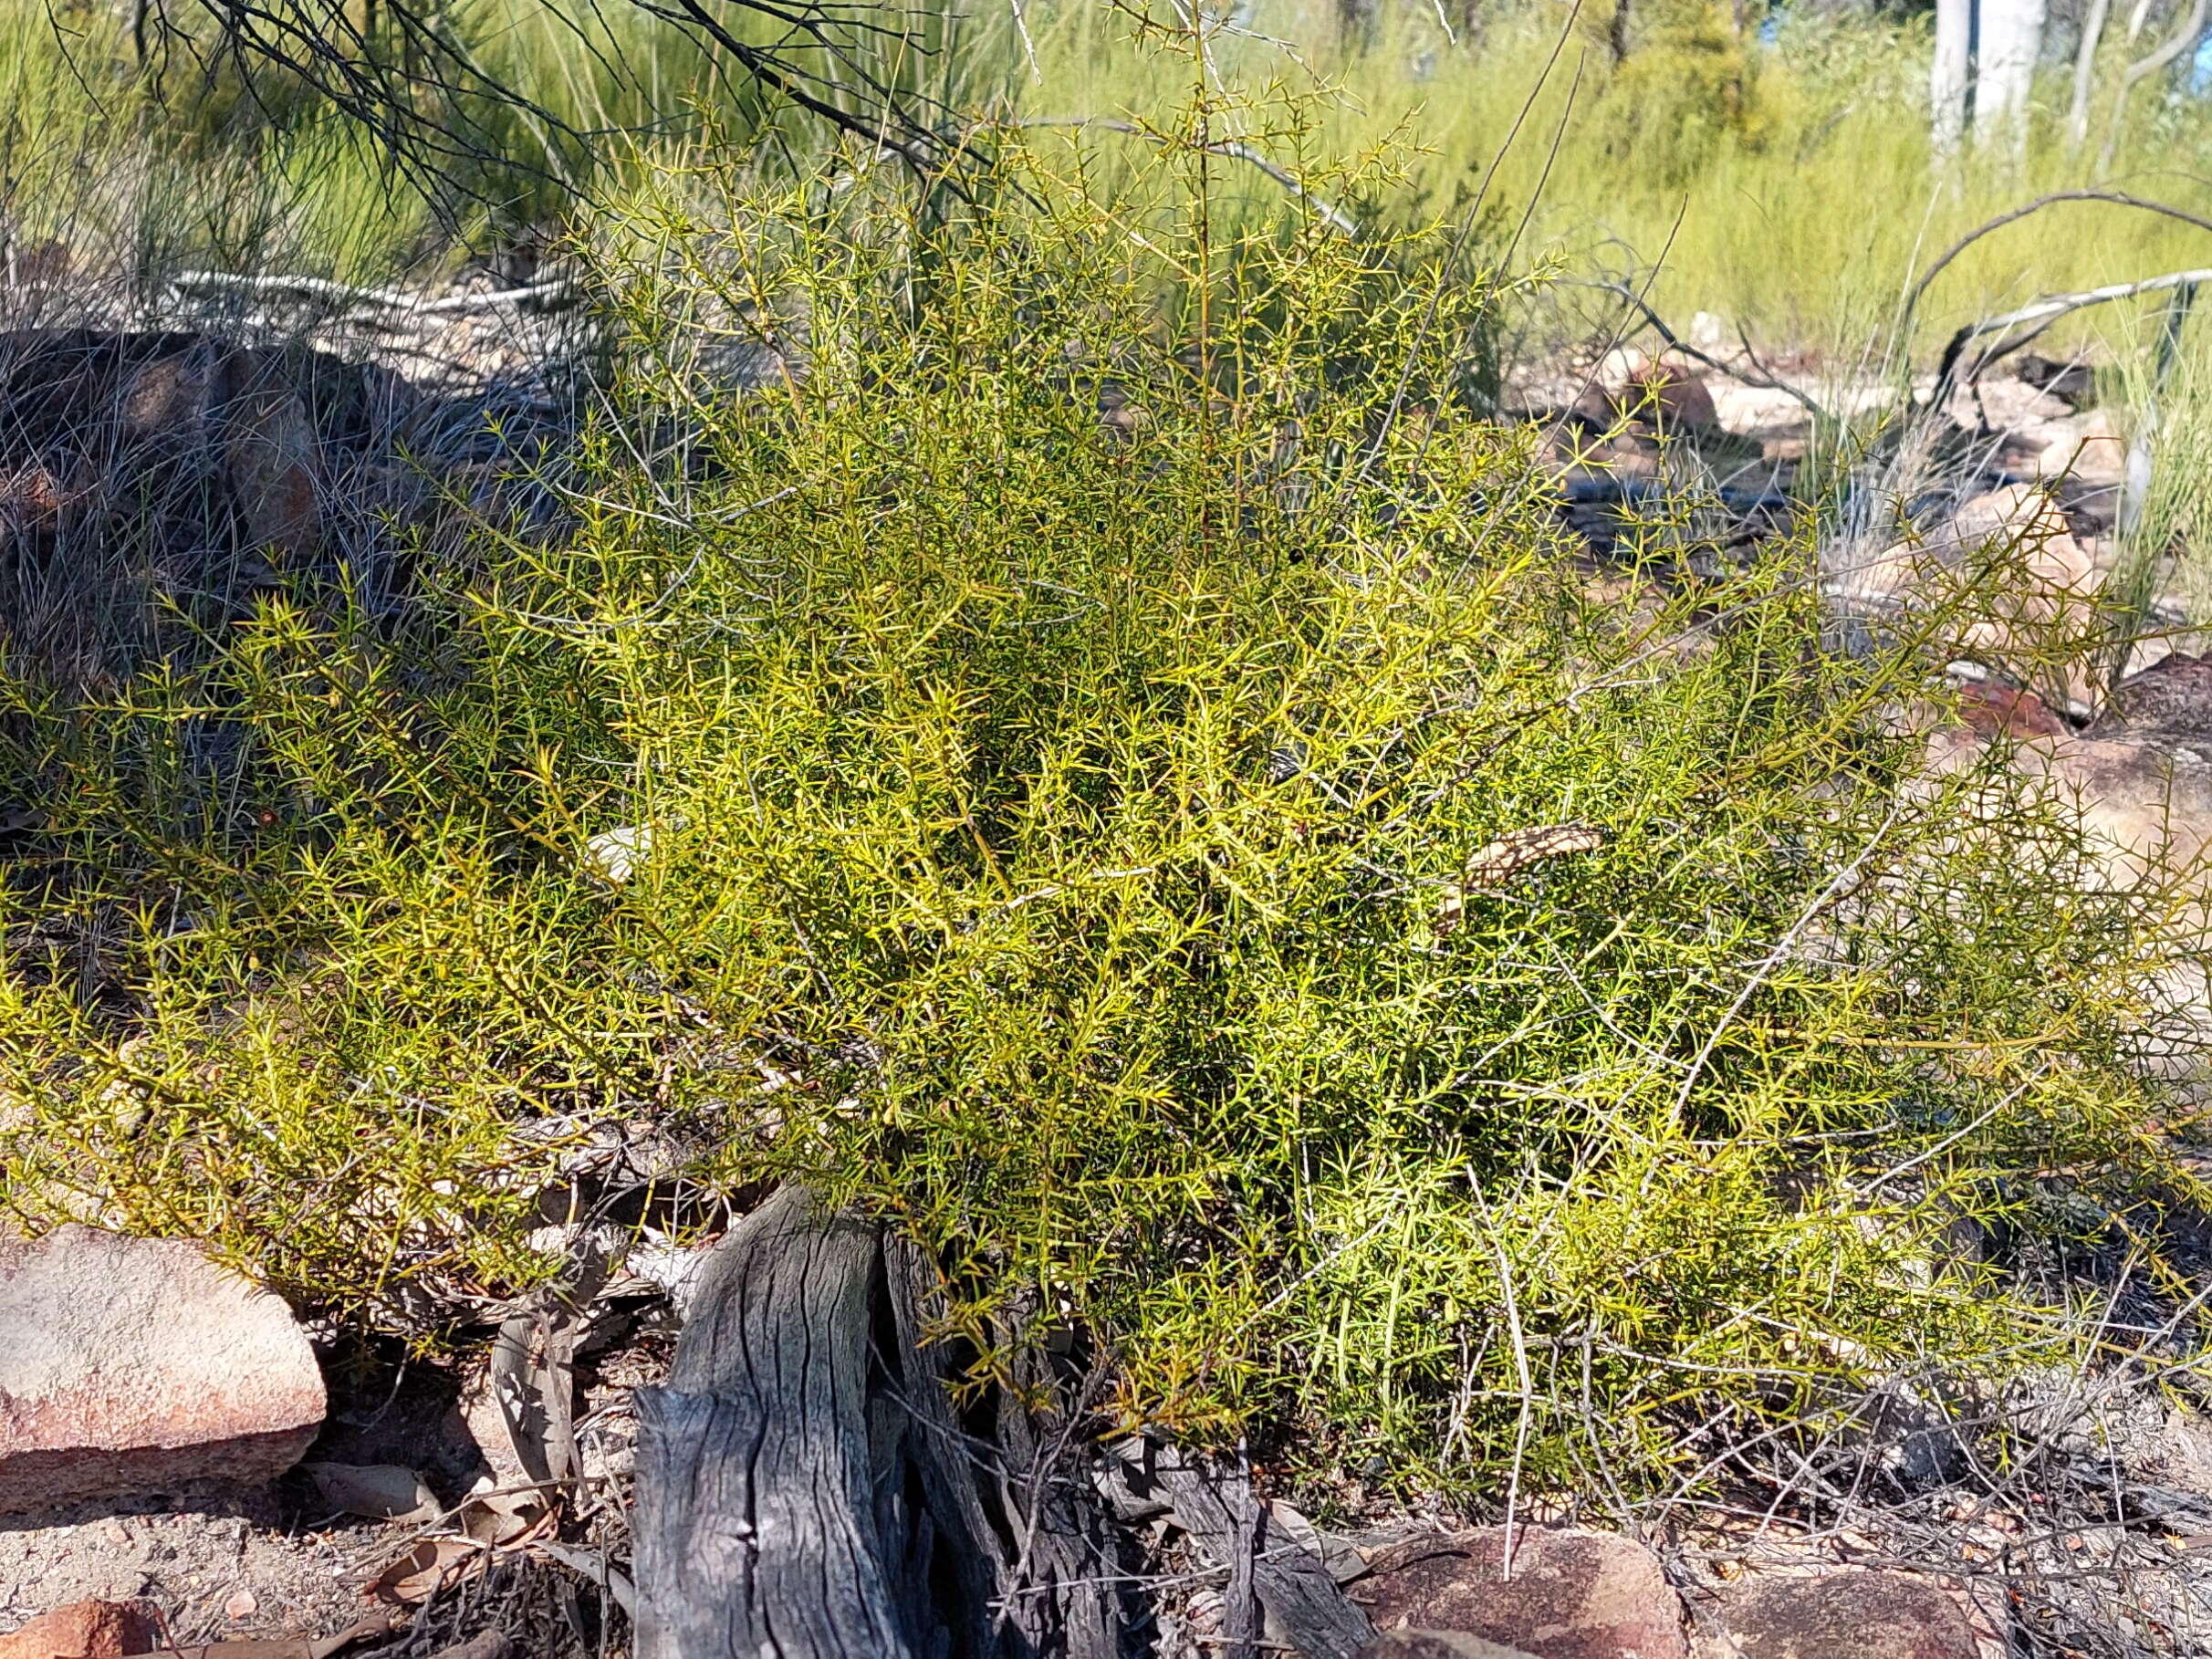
<point>1076,754</point>
<point>1686,86</point>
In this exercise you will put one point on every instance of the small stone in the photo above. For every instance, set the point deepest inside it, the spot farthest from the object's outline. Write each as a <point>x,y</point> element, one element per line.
<point>615,855</point>
<point>1572,1595</point>
<point>241,1606</point>
<point>128,1366</point>
<point>82,1629</point>
<point>1847,1615</point>
<point>1437,1645</point>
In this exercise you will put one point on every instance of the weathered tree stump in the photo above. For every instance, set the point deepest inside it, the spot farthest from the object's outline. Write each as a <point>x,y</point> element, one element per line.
<point>805,1490</point>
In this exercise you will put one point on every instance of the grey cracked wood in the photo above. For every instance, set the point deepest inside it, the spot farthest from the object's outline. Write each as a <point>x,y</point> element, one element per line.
<point>1294,1584</point>
<point>806,1491</point>
<point>756,1531</point>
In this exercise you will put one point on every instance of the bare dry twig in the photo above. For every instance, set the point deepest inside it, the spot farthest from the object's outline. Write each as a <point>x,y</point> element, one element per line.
<point>2118,198</point>
<point>1328,212</point>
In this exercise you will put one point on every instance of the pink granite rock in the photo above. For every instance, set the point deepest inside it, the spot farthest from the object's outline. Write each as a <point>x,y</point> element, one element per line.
<point>83,1630</point>
<point>1856,1614</point>
<point>1436,1645</point>
<point>1572,1595</point>
<point>131,1366</point>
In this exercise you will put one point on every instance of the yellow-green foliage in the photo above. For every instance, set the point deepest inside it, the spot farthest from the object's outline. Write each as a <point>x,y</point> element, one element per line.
<point>1067,836</point>
<point>1788,186</point>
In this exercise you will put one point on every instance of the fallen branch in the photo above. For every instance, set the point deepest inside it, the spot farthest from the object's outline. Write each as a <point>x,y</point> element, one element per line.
<point>1225,1517</point>
<point>1330,214</point>
<point>540,294</point>
<point>2118,198</point>
<point>805,1490</point>
<point>2048,309</point>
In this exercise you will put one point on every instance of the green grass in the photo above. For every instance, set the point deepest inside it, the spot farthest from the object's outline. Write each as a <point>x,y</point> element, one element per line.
<point>198,156</point>
<point>1066,837</point>
<point>1799,204</point>
<point>1788,188</point>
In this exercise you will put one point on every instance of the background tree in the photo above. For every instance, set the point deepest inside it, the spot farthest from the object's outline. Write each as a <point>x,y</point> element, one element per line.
<point>1984,69</point>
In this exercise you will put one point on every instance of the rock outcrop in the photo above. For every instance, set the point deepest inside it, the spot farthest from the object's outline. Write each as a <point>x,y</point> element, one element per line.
<point>1570,1594</point>
<point>131,1366</point>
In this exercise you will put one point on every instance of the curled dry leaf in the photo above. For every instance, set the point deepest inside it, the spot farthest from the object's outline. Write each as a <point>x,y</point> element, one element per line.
<point>1497,862</point>
<point>490,1522</point>
<point>431,1565</point>
<point>504,1519</point>
<point>381,1491</point>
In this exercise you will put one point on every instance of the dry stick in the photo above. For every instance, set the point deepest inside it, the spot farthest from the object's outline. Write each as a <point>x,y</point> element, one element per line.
<point>2118,198</point>
<point>1330,214</point>
<point>382,299</point>
<point>1521,1364</point>
<point>1238,1624</point>
<point>2051,307</point>
<point>1028,46</point>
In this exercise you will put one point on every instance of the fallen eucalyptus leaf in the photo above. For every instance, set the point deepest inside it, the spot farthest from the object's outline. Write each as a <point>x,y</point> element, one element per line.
<point>431,1565</point>
<point>1494,863</point>
<point>382,1491</point>
<point>502,1519</point>
<point>1508,855</point>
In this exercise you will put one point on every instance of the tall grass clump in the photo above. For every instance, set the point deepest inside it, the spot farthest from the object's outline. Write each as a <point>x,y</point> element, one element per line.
<point>368,142</point>
<point>1780,175</point>
<point>1104,760</point>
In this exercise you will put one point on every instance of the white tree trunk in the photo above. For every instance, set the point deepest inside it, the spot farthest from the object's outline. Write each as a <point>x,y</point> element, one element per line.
<point>1986,53</point>
<point>1952,76</point>
<point>2011,41</point>
<point>2085,70</point>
